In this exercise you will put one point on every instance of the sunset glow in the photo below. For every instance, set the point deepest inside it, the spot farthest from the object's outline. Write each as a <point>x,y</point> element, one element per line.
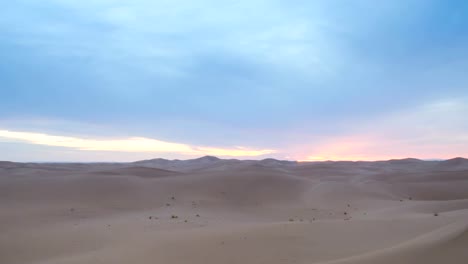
<point>134,144</point>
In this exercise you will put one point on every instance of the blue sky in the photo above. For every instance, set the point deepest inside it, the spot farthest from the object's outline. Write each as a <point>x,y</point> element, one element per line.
<point>304,80</point>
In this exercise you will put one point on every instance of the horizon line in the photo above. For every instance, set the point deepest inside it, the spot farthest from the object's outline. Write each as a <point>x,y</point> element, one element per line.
<point>205,156</point>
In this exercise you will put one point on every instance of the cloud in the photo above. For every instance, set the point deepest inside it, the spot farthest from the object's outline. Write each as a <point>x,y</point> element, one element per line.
<point>133,144</point>
<point>433,130</point>
<point>260,73</point>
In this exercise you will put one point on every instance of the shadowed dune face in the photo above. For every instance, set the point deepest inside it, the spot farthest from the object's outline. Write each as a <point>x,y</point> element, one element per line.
<point>211,210</point>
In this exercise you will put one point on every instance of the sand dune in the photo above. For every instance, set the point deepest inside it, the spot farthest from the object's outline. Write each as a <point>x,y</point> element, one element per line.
<point>211,210</point>
<point>138,171</point>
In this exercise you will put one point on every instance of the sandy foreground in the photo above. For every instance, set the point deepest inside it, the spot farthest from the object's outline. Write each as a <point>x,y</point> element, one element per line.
<point>210,210</point>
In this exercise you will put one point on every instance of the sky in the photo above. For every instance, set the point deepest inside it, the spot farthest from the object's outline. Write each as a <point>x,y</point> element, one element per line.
<point>122,80</point>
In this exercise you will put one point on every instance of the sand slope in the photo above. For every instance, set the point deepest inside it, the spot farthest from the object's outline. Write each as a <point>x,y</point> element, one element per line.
<point>210,210</point>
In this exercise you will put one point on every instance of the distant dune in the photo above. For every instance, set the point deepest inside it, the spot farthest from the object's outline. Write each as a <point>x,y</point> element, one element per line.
<point>138,171</point>
<point>211,210</point>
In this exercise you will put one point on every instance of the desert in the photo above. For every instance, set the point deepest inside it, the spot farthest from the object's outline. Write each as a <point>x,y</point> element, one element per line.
<point>211,210</point>
<point>233,132</point>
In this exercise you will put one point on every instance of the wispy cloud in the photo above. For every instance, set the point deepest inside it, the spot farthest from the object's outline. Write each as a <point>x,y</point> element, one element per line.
<point>133,144</point>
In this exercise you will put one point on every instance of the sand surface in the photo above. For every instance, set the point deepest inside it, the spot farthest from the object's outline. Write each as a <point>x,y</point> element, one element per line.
<point>210,210</point>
